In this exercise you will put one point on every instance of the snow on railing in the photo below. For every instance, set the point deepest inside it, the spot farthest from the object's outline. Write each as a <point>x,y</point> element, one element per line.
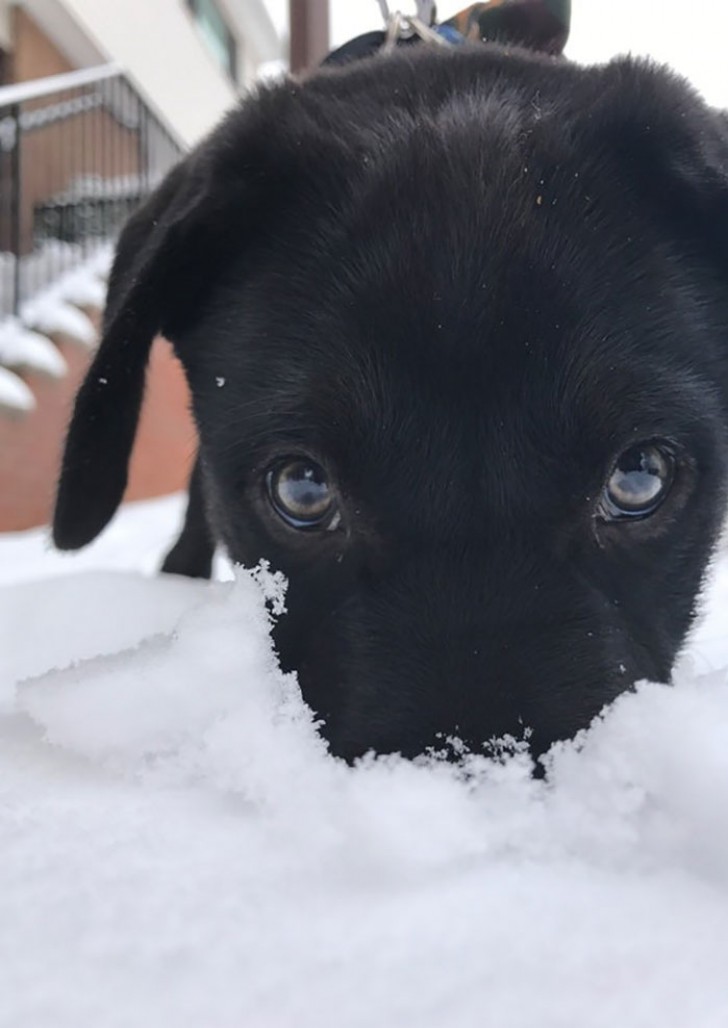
<point>57,310</point>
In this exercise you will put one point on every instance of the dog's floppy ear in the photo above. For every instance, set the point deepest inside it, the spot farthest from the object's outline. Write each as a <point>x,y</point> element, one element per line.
<point>210,206</point>
<point>674,146</point>
<point>700,196</point>
<point>152,268</point>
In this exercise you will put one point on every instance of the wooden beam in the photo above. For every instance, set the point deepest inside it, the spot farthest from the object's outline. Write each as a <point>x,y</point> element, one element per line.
<point>309,32</point>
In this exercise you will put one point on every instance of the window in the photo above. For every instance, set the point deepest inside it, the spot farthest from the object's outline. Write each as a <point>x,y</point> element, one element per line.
<point>218,37</point>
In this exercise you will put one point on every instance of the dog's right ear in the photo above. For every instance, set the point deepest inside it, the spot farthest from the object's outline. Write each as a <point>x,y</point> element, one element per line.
<point>155,271</point>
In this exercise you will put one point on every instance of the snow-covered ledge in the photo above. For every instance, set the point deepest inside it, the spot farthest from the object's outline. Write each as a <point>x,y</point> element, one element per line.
<point>25,343</point>
<point>15,397</point>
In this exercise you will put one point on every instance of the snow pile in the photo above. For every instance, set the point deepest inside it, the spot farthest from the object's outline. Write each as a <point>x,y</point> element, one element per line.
<point>50,260</point>
<point>15,397</point>
<point>178,847</point>
<point>137,539</point>
<point>129,188</point>
<point>29,351</point>
<point>53,308</point>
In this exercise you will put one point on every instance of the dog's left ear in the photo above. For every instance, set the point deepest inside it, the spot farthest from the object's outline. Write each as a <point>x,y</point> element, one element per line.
<point>164,256</point>
<point>215,203</point>
<point>675,148</point>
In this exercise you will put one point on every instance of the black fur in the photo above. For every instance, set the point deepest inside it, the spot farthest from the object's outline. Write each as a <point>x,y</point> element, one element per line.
<point>463,282</point>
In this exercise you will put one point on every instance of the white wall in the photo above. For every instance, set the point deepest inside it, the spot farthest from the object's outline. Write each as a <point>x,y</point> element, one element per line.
<point>158,45</point>
<point>689,36</point>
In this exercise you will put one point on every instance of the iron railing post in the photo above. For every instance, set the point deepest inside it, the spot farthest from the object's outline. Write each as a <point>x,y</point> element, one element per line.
<point>15,206</point>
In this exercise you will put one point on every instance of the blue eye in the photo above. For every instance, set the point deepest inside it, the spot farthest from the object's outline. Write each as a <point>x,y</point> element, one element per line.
<point>639,482</point>
<point>300,494</point>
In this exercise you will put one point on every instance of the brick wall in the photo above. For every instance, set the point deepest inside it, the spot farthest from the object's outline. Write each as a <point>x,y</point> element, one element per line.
<point>30,448</point>
<point>34,56</point>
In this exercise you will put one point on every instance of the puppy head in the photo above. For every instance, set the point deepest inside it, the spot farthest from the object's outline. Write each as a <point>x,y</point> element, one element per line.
<point>455,329</point>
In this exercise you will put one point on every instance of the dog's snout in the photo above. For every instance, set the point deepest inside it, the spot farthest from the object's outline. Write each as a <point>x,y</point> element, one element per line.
<point>450,647</point>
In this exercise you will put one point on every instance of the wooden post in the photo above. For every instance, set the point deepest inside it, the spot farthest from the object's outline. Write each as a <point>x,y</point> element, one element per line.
<point>309,32</point>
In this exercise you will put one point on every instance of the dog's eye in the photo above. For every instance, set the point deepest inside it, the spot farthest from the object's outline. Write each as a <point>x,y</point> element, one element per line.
<point>639,482</point>
<point>300,494</point>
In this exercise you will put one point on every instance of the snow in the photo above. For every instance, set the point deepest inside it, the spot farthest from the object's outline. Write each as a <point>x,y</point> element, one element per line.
<point>49,313</point>
<point>15,397</point>
<point>29,351</point>
<point>53,259</point>
<point>113,187</point>
<point>33,119</point>
<point>86,286</point>
<point>178,847</point>
<point>53,308</point>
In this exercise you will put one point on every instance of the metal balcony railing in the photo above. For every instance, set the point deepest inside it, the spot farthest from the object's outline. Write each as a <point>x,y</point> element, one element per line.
<point>78,152</point>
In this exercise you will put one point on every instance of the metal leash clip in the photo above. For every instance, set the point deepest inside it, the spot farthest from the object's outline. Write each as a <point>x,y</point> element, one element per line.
<point>403,26</point>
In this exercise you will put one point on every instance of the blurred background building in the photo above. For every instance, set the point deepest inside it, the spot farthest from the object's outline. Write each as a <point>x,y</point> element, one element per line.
<point>98,99</point>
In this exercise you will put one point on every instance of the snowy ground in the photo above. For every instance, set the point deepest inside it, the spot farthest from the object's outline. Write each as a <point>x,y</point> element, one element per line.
<point>178,849</point>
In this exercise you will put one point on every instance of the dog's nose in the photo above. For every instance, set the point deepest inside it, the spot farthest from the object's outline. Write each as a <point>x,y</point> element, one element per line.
<point>435,652</point>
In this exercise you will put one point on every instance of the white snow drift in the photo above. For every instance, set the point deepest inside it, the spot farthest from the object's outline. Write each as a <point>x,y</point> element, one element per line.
<point>178,848</point>
<point>53,308</point>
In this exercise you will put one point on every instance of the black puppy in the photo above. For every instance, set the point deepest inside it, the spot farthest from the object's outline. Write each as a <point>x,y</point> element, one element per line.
<point>456,330</point>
